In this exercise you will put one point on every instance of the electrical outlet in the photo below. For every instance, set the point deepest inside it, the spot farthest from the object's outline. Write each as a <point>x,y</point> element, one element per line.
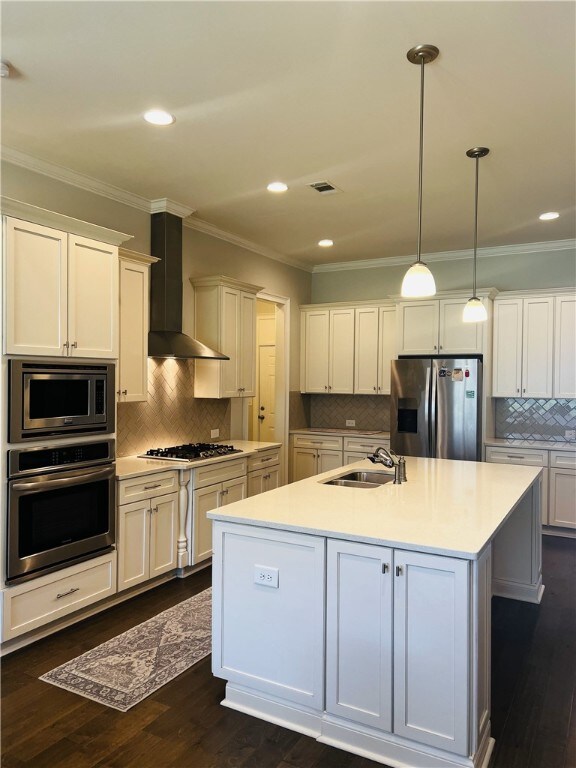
<point>214,433</point>
<point>570,434</point>
<point>266,576</point>
<point>350,422</point>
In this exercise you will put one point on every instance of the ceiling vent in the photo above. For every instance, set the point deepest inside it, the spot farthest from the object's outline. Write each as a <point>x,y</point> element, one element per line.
<point>324,187</point>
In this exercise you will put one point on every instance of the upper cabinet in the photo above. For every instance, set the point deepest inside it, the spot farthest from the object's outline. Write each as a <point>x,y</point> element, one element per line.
<point>375,348</point>
<point>565,347</point>
<point>523,347</point>
<point>432,327</point>
<point>225,319</point>
<point>61,293</point>
<point>327,363</point>
<point>134,323</point>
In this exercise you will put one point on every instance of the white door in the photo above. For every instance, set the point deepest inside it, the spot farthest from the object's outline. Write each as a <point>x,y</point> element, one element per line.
<point>359,633</point>
<point>386,348</point>
<point>328,460</point>
<point>562,495</point>
<point>315,337</point>
<point>304,463</point>
<point>205,499</point>
<point>247,342</point>
<point>538,337</point>
<point>456,336</point>
<point>163,534</point>
<point>366,351</point>
<point>36,289</point>
<point>431,650</point>
<point>266,393</point>
<point>133,353</point>
<point>507,348</point>
<point>418,328</point>
<point>92,298</point>
<point>565,347</point>
<point>341,356</point>
<point>133,543</point>
<point>230,337</point>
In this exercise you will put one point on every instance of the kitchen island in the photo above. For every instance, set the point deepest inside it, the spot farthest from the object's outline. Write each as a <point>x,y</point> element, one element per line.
<point>361,616</point>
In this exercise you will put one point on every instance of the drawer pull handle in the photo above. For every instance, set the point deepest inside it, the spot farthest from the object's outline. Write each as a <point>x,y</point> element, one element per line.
<point>515,456</point>
<point>65,594</point>
<point>385,567</point>
<point>270,458</point>
<point>150,487</point>
<point>398,570</point>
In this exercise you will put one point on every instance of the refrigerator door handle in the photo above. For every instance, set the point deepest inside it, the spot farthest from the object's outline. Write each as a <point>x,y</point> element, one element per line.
<point>432,419</point>
<point>427,406</point>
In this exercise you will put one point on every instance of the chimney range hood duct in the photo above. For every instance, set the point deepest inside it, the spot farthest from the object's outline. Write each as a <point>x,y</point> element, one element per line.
<point>166,338</point>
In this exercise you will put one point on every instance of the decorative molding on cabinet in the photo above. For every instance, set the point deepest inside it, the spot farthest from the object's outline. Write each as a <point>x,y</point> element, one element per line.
<point>230,282</point>
<point>164,205</point>
<point>31,213</point>
<point>139,258</point>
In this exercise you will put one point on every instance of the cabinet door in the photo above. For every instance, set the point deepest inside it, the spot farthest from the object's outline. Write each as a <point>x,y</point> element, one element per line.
<point>431,650</point>
<point>256,482</point>
<point>133,362</point>
<point>359,633</point>
<point>233,490</point>
<point>507,348</point>
<point>538,330</point>
<point>418,328</point>
<point>386,348</point>
<point>272,478</point>
<point>562,494</point>
<point>304,463</point>
<point>315,334</point>
<point>565,347</point>
<point>92,298</point>
<point>456,336</point>
<point>205,499</point>
<point>247,352</point>
<point>133,543</point>
<point>341,357</point>
<point>328,460</point>
<point>36,289</point>
<point>163,534</point>
<point>366,351</point>
<point>230,336</point>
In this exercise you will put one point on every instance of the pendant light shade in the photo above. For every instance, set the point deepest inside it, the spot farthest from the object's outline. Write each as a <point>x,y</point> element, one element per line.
<point>475,311</point>
<point>418,280</point>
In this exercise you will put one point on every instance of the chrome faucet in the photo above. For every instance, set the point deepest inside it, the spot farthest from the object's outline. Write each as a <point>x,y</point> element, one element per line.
<point>382,456</point>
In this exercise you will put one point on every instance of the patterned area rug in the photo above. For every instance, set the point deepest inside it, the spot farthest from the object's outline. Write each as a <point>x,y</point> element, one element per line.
<point>123,671</point>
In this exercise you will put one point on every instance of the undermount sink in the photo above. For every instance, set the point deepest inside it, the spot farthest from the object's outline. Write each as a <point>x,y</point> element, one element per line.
<point>361,479</point>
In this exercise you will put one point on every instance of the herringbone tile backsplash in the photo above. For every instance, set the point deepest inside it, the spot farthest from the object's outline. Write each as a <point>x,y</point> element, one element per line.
<point>172,415</point>
<point>332,411</point>
<point>531,419</point>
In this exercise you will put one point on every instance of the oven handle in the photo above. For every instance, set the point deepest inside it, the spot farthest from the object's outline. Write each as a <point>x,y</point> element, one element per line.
<point>62,482</point>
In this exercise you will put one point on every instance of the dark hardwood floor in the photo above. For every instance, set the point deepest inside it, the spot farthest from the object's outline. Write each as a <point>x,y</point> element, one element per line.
<point>183,724</point>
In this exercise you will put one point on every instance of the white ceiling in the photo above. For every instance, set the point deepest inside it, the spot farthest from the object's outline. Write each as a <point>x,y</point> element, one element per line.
<point>303,92</point>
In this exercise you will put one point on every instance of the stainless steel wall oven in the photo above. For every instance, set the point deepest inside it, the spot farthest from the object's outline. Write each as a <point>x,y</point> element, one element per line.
<point>49,399</point>
<point>61,507</point>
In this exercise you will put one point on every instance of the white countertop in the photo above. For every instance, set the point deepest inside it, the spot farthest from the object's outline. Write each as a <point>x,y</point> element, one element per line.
<point>548,445</point>
<point>446,507</point>
<point>133,466</point>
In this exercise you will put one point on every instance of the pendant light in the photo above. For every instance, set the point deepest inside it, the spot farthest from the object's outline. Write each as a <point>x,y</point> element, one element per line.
<point>418,280</point>
<point>475,311</point>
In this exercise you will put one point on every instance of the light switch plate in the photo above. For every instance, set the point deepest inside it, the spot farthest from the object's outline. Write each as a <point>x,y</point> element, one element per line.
<point>350,422</point>
<point>570,434</point>
<point>214,433</point>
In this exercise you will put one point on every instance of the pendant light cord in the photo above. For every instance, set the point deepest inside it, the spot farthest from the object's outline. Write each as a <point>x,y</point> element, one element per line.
<point>475,228</point>
<point>421,161</point>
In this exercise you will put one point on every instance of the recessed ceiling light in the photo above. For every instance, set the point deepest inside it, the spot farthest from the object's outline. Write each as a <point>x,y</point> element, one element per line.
<point>159,117</point>
<point>277,186</point>
<point>549,216</point>
<point>326,243</point>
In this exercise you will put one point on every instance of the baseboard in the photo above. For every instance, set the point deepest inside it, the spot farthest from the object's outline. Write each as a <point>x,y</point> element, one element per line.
<point>527,593</point>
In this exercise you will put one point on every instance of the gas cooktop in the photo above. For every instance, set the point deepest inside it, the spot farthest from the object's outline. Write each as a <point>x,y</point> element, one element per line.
<point>190,452</point>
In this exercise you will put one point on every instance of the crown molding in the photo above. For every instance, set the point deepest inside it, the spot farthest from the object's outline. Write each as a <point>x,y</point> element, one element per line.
<point>164,205</point>
<point>76,179</point>
<point>209,229</point>
<point>550,246</point>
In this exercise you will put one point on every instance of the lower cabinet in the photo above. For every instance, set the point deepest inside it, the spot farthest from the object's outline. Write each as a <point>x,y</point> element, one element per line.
<point>562,509</point>
<point>263,471</point>
<point>529,457</point>
<point>312,455</point>
<point>147,539</point>
<point>358,448</point>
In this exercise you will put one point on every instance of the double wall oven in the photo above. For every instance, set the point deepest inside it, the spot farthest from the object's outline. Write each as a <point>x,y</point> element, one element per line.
<point>61,495</point>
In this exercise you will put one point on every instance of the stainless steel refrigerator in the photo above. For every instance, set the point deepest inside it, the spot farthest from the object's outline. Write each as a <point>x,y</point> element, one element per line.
<point>436,407</point>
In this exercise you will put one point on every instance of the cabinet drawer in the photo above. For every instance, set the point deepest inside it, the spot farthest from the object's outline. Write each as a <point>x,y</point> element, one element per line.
<point>318,441</point>
<point>263,459</point>
<point>526,456</point>
<point>147,486</point>
<point>563,459</point>
<point>50,597</point>
<point>218,473</point>
<point>368,444</point>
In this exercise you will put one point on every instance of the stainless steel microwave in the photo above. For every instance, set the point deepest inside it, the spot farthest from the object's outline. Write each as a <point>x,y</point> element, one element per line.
<point>59,399</point>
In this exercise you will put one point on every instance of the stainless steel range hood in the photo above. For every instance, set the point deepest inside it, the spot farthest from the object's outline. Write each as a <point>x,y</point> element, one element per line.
<point>165,338</point>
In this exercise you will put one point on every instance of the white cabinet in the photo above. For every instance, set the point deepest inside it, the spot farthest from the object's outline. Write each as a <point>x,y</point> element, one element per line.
<point>313,454</point>
<point>263,471</point>
<point>374,349</point>
<point>358,448</point>
<point>61,293</point>
<point>213,486</point>
<point>523,347</point>
<point>436,327</point>
<point>562,489</point>
<point>147,528</point>
<point>529,457</point>
<point>327,363</point>
<point>225,319</point>
<point>134,323</point>
<point>565,347</point>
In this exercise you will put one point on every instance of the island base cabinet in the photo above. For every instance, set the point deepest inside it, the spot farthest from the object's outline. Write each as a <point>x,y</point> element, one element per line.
<point>268,620</point>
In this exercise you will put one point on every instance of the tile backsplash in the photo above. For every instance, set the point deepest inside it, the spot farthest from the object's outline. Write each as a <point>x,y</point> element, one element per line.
<point>172,415</point>
<point>331,411</point>
<point>531,419</point>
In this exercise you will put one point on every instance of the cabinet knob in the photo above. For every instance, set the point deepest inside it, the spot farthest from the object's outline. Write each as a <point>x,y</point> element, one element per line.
<point>517,390</point>
<point>325,387</point>
<point>385,567</point>
<point>399,570</point>
<point>374,388</point>
<point>435,347</point>
<point>66,345</point>
<point>441,347</point>
<point>74,344</point>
